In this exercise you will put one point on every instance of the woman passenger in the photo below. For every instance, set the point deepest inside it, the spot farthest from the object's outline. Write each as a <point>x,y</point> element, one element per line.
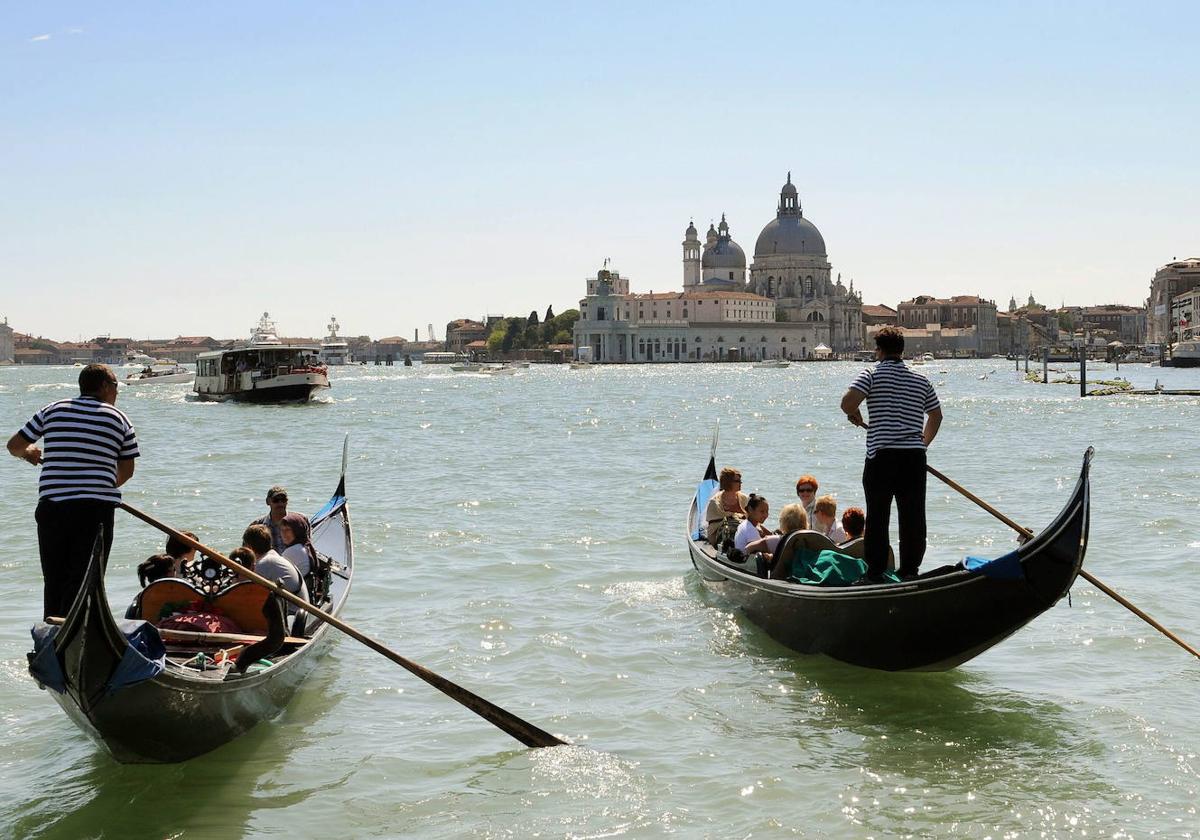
<point>752,536</point>
<point>296,533</point>
<point>727,503</point>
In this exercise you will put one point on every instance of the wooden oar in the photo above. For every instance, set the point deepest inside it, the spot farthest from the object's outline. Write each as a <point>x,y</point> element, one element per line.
<point>1084,573</point>
<point>526,733</point>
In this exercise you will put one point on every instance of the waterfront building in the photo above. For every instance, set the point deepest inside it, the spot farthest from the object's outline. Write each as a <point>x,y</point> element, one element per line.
<point>462,332</point>
<point>1170,281</point>
<point>967,323</point>
<point>6,344</point>
<point>1012,333</point>
<point>1183,314</point>
<point>1125,323</point>
<point>785,308</point>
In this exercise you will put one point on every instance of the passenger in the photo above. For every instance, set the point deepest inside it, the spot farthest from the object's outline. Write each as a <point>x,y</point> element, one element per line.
<point>806,489</point>
<point>297,533</point>
<point>270,564</point>
<point>243,556</point>
<point>155,568</point>
<point>824,519</point>
<point>752,536</point>
<point>181,554</point>
<point>729,503</point>
<point>277,501</point>
<point>854,520</point>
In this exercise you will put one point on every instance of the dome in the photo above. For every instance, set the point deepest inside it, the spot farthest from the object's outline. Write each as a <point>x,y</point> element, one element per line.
<point>691,230</point>
<point>790,235</point>
<point>724,254</point>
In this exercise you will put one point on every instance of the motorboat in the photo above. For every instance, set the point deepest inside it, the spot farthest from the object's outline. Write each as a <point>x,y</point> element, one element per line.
<point>159,375</point>
<point>771,364</point>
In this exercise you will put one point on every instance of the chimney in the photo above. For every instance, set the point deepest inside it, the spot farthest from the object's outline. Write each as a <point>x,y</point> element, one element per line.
<point>417,334</point>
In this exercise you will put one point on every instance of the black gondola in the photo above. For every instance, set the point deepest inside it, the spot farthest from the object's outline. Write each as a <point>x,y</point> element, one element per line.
<point>932,623</point>
<point>122,685</point>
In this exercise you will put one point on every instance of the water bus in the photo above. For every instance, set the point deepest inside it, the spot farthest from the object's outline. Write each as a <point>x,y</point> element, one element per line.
<point>263,370</point>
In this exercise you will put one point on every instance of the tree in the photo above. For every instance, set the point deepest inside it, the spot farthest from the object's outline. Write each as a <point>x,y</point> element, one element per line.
<point>532,320</point>
<point>549,313</point>
<point>512,329</point>
<point>495,341</point>
<point>562,337</point>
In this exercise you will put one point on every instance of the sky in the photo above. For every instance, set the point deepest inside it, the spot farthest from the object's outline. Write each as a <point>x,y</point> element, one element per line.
<point>177,169</point>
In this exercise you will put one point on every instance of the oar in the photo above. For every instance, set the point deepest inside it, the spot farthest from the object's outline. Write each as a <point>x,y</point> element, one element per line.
<point>1088,576</point>
<point>526,733</point>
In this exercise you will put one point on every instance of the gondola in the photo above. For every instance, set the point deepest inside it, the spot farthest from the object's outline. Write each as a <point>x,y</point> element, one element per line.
<point>126,684</point>
<point>932,623</point>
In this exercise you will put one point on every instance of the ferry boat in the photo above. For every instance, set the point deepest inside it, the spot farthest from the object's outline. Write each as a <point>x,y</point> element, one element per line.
<point>1186,351</point>
<point>334,349</point>
<point>263,370</point>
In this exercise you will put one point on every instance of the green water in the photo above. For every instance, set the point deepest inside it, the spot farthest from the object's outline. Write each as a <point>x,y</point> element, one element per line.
<point>523,536</point>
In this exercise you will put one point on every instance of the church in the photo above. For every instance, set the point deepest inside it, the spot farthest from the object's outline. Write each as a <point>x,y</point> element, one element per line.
<point>788,307</point>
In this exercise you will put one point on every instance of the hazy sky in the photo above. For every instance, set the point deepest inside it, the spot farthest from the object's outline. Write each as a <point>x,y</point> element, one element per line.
<point>179,168</point>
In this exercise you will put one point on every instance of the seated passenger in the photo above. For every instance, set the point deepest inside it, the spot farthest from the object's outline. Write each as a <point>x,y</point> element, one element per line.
<point>810,557</point>
<point>155,568</point>
<point>269,564</point>
<point>854,521</point>
<point>806,489</point>
<point>752,537</point>
<point>181,554</point>
<point>824,519</point>
<point>728,503</point>
<point>243,556</point>
<point>297,544</point>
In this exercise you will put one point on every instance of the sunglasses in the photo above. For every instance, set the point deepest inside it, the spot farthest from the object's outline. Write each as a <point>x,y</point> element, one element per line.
<point>806,490</point>
<point>279,498</point>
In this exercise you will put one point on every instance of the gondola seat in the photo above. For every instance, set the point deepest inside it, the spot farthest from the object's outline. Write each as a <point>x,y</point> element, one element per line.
<point>857,548</point>
<point>243,602</point>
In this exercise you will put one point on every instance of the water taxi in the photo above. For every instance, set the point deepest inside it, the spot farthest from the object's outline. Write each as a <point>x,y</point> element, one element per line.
<point>263,370</point>
<point>159,375</point>
<point>771,364</point>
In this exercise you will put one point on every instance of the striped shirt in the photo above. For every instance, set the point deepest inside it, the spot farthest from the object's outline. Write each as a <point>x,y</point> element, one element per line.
<point>898,398</point>
<point>84,439</point>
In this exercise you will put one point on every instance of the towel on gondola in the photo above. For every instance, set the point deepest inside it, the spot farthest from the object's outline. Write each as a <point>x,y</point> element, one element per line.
<point>1007,567</point>
<point>144,657</point>
<point>829,568</point>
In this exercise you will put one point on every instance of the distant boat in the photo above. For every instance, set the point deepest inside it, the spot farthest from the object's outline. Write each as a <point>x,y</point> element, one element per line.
<point>466,367</point>
<point>498,370</point>
<point>263,370</point>
<point>1186,351</point>
<point>581,365</point>
<point>770,364</point>
<point>334,349</point>
<point>159,375</point>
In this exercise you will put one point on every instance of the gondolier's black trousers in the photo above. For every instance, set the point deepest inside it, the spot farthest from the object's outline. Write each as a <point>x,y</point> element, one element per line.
<point>895,474</point>
<point>66,534</point>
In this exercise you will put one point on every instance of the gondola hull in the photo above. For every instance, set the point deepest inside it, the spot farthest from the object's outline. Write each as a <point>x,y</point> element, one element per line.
<point>181,713</point>
<point>930,624</point>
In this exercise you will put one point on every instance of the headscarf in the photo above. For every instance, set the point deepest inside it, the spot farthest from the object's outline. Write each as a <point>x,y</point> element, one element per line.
<point>302,531</point>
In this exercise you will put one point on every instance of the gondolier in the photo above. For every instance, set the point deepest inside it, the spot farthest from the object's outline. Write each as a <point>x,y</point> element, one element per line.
<point>899,401</point>
<point>90,447</point>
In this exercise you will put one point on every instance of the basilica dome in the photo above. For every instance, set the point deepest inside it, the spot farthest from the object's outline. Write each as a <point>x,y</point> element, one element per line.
<point>789,233</point>
<point>723,252</point>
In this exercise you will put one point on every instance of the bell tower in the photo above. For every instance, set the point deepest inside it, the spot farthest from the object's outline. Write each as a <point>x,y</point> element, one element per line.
<point>691,257</point>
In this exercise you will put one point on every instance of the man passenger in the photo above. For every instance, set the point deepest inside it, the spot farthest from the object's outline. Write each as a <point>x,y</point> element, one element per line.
<point>277,502</point>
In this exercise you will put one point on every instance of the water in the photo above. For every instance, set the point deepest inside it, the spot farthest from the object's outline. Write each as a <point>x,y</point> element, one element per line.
<point>523,537</point>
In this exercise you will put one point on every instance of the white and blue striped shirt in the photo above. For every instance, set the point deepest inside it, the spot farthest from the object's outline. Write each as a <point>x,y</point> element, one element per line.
<point>84,439</point>
<point>898,398</point>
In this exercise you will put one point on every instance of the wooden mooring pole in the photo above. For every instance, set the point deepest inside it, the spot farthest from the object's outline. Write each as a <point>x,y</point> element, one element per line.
<point>1083,371</point>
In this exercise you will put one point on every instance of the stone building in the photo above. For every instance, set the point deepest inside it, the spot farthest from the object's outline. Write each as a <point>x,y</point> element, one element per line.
<point>462,331</point>
<point>1170,281</point>
<point>972,319</point>
<point>6,343</point>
